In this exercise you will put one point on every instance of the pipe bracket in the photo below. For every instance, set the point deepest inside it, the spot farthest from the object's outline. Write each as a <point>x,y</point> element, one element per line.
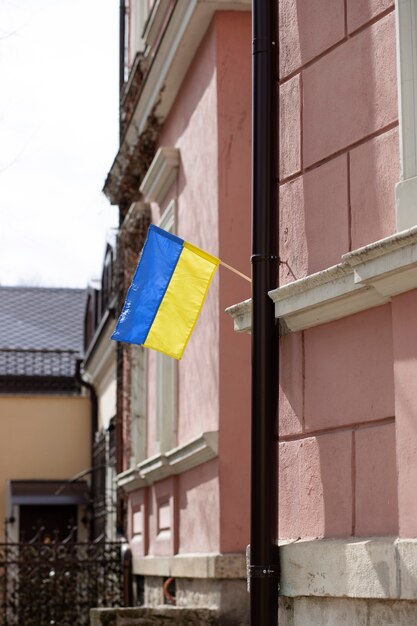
<point>264,257</point>
<point>263,571</point>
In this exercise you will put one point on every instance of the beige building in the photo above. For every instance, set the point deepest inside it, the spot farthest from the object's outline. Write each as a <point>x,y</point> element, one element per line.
<point>45,414</point>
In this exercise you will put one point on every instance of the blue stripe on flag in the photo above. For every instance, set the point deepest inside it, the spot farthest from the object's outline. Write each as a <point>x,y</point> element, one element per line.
<point>156,265</point>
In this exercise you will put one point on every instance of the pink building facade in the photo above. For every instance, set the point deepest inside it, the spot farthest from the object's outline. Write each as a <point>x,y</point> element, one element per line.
<point>183,427</point>
<point>346,304</point>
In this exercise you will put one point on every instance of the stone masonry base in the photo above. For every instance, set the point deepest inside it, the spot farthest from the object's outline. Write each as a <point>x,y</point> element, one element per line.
<point>199,602</point>
<point>162,616</point>
<point>345,612</point>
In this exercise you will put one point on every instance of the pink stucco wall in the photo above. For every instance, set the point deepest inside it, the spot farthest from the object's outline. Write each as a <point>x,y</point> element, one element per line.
<point>337,457</point>
<point>206,509</point>
<point>340,403</point>
<point>192,127</point>
<point>339,155</point>
<point>405,371</point>
<point>199,512</point>
<point>234,192</point>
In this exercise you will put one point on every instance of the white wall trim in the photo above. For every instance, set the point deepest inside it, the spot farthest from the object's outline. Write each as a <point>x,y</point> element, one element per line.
<point>103,358</point>
<point>167,221</point>
<point>242,316</point>
<point>376,567</point>
<point>155,21</point>
<point>367,277</point>
<point>176,461</point>
<point>406,37</point>
<point>160,175</point>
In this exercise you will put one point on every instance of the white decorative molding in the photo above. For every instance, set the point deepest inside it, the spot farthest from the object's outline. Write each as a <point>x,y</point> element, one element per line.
<point>195,452</point>
<point>406,26</point>
<point>376,567</point>
<point>155,21</point>
<point>176,461</point>
<point>184,32</point>
<point>185,29</point>
<point>242,316</point>
<point>101,356</point>
<point>160,175</point>
<point>366,278</point>
<point>167,221</point>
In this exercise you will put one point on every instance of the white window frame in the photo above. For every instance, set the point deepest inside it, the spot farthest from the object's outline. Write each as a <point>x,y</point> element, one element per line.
<point>166,370</point>
<point>138,404</point>
<point>406,36</point>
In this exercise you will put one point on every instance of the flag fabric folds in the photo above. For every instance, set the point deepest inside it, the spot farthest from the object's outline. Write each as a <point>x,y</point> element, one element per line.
<point>166,295</point>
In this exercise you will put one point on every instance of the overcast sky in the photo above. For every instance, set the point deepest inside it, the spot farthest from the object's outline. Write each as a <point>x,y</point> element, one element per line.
<point>58,138</point>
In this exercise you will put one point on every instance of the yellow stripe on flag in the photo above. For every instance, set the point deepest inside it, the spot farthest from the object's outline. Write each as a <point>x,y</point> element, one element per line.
<point>181,305</point>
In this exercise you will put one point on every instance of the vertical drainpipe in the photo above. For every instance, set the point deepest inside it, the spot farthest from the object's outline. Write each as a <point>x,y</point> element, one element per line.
<point>263,568</point>
<point>122,17</point>
<point>94,428</point>
<point>122,45</point>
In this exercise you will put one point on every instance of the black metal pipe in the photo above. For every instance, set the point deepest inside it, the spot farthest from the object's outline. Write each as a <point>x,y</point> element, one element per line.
<point>263,569</point>
<point>122,43</point>
<point>94,427</point>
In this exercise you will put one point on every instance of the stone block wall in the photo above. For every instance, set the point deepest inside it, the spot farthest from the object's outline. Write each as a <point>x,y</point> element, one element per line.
<point>339,164</point>
<point>345,612</point>
<point>339,147</point>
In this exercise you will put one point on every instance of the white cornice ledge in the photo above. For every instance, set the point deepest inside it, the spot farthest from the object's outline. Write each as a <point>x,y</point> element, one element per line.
<point>160,175</point>
<point>366,278</point>
<point>242,315</point>
<point>176,461</point>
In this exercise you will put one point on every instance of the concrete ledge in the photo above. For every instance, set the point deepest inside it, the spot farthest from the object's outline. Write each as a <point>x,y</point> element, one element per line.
<point>192,566</point>
<point>166,615</point>
<point>176,461</point>
<point>381,567</point>
<point>366,278</point>
<point>161,174</point>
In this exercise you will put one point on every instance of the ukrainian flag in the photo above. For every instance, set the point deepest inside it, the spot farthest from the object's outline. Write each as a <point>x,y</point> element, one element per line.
<point>166,295</point>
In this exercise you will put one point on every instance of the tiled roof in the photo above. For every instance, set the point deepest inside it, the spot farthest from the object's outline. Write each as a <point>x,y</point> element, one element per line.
<point>41,330</point>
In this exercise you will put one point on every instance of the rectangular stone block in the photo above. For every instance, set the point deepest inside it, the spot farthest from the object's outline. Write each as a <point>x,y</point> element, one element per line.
<point>404,309</point>
<point>374,172</point>
<point>291,385</point>
<point>314,218</point>
<point>326,214</point>
<point>307,29</point>
<point>392,614</point>
<point>350,92</point>
<point>407,567</point>
<point>360,12</point>
<point>330,612</point>
<point>289,128</point>
<point>341,568</point>
<point>376,497</point>
<point>348,370</point>
<point>169,615</point>
<point>315,494</point>
<point>292,242</point>
<point>285,611</point>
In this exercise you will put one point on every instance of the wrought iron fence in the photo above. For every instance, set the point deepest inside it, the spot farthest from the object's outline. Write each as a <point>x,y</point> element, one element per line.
<point>57,583</point>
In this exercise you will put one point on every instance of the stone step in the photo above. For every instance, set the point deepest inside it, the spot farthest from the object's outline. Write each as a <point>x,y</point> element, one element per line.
<point>154,616</point>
